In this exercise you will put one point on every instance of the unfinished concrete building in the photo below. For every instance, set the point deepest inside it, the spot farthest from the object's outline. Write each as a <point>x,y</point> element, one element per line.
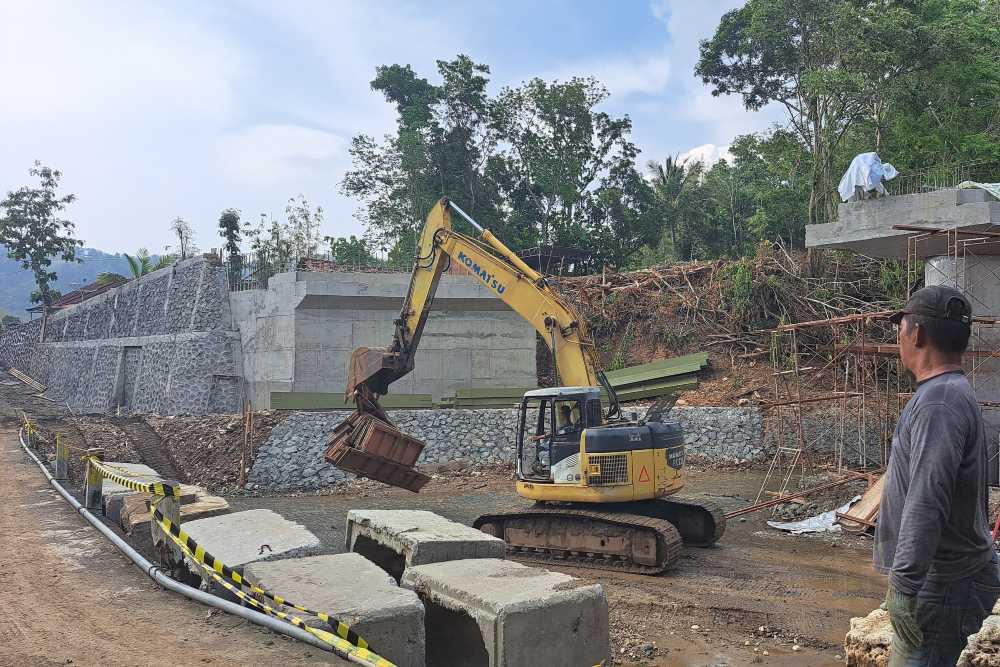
<point>953,236</point>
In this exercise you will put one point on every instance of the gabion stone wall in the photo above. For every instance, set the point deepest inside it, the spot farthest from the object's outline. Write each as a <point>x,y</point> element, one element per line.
<point>729,434</point>
<point>292,457</point>
<point>17,344</point>
<point>161,344</point>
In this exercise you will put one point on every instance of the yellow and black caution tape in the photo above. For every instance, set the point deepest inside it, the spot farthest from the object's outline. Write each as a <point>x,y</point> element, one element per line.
<point>341,645</point>
<point>205,558</point>
<point>155,488</point>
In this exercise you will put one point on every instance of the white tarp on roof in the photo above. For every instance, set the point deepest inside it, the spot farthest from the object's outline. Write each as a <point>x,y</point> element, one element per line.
<point>868,171</point>
<point>992,188</point>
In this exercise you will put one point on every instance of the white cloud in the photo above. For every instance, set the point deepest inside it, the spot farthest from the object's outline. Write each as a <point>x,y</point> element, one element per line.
<point>118,61</point>
<point>706,154</point>
<point>624,77</point>
<point>269,155</point>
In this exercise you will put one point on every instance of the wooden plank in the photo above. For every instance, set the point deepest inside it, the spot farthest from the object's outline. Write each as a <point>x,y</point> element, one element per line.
<point>307,400</point>
<point>865,511</point>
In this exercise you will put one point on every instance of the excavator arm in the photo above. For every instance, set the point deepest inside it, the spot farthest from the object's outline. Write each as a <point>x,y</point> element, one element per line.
<point>500,271</point>
<point>366,443</point>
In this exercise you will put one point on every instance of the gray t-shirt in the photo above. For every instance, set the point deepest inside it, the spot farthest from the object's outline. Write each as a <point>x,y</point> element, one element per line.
<point>932,523</point>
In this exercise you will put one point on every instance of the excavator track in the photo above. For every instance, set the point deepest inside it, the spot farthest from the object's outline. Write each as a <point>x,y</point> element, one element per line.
<point>617,541</point>
<point>699,522</point>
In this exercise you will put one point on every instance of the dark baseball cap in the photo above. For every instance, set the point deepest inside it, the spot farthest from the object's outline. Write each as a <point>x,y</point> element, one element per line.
<point>940,301</point>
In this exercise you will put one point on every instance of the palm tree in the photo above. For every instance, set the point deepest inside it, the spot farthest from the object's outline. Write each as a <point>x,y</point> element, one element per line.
<point>139,266</point>
<point>668,184</point>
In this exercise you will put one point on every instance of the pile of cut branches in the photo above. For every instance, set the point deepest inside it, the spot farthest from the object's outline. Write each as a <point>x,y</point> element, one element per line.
<point>727,305</point>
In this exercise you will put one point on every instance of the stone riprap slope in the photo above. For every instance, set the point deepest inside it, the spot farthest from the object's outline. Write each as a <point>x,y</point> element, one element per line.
<point>292,457</point>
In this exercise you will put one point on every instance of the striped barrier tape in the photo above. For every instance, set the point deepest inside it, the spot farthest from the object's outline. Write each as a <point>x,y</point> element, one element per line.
<point>206,559</point>
<point>340,645</point>
<point>155,488</point>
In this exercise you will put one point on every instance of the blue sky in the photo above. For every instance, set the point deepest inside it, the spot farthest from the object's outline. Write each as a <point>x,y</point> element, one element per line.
<point>154,111</point>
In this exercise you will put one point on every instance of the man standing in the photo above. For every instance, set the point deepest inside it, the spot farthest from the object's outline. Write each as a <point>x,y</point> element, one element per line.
<point>933,537</point>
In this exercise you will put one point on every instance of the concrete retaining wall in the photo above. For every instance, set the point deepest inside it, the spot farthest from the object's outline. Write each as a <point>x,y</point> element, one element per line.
<point>161,344</point>
<point>298,334</point>
<point>292,457</point>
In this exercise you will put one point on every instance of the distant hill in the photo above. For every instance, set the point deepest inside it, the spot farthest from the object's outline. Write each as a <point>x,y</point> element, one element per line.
<point>16,284</point>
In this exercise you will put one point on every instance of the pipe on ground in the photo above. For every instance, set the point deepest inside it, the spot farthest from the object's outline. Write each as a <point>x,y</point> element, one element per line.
<point>153,571</point>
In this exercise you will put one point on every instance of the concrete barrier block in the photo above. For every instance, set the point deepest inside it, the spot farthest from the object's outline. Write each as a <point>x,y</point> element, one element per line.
<point>398,539</point>
<point>241,538</point>
<point>356,591</point>
<point>501,613</point>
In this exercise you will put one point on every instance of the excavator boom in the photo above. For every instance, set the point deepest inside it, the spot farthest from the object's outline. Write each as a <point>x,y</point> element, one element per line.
<point>502,272</point>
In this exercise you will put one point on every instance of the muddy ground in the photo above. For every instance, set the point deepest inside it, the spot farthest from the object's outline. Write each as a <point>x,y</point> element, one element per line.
<point>759,597</point>
<point>802,590</point>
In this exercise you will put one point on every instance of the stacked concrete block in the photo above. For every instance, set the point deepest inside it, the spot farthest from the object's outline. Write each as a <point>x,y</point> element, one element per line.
<point>113,493</point>
<point>500,613</point>
<point>135,516</point>
<point>355,591</point>
<point>399,539</point>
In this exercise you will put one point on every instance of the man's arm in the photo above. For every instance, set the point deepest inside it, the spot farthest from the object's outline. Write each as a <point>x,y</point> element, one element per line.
<point>937,437</point>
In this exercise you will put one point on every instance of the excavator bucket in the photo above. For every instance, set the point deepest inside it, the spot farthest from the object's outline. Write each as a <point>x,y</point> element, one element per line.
<point>369,367</point>
<point>366,443</point>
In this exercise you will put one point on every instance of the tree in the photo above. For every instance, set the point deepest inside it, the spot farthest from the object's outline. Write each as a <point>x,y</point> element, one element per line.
<point>672,186</point>
<point>185,238</point>
<point>819,59</point>
<point>302,229</point>
<point>538,163</point>
<point>139,265</point>
<point>442,141</point>
<point>33,232</point>
<point>350,251</point>
<point>230,231</point>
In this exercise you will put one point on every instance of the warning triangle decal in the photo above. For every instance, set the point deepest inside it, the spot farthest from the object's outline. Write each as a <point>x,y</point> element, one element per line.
<point>643,475</point>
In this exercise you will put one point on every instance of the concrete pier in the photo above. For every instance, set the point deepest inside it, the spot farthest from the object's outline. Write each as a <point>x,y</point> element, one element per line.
<point>298,334</point>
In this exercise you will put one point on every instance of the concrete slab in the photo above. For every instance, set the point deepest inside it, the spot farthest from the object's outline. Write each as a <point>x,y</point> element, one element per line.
<point>358,592</point>
<point>501,613</point>
<point>866,226</point>
<point>241,538</point>
<point>398,539</point>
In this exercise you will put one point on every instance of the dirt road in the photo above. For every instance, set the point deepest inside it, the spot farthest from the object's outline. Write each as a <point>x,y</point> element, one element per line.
<point>69,597</point>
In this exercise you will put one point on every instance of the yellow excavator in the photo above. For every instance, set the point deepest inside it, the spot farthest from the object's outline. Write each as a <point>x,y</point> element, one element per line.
<point>605,485</point>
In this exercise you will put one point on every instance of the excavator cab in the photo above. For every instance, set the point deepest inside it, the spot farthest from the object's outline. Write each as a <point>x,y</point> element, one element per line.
<point>550,425</point>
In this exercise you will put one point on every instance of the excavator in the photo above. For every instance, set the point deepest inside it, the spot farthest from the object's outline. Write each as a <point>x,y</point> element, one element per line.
<point>605,485</point>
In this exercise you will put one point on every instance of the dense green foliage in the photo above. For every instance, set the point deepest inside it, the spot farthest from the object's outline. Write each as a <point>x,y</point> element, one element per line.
<point>537,164</point>
<point>918,82</point>
<point>350,251</point>
<point>33,232</point>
